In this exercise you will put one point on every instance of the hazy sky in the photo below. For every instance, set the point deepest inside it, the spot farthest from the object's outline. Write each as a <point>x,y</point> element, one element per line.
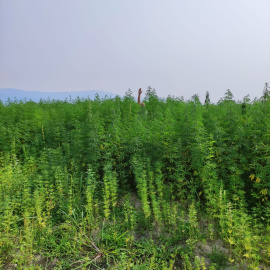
<point>178,47</point>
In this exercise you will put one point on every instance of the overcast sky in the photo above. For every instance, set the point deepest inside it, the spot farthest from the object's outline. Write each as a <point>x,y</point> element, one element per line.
<point>177,47</point>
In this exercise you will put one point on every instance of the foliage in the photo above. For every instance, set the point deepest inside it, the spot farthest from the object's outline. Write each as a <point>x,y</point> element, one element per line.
<point>109,184</point>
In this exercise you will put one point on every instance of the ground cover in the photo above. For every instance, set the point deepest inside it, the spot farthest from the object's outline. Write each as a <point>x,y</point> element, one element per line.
<point>109,184</point>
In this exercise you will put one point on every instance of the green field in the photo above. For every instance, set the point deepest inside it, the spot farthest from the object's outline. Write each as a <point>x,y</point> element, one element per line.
<point>109,184</point>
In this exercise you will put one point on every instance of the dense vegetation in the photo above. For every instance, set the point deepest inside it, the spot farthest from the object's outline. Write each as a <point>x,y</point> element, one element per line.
<point>108,184</point>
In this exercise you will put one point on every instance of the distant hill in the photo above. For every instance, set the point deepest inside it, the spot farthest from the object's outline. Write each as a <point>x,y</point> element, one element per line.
<point>15,94</point>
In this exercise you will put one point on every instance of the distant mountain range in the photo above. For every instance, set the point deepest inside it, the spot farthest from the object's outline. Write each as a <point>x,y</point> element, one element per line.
<point>15,94</point>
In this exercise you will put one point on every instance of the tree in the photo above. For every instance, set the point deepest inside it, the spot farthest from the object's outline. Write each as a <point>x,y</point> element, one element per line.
<point>207,98</point>
<point>195,98</point>
<point>266,91</point>
<point>228,95</point>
